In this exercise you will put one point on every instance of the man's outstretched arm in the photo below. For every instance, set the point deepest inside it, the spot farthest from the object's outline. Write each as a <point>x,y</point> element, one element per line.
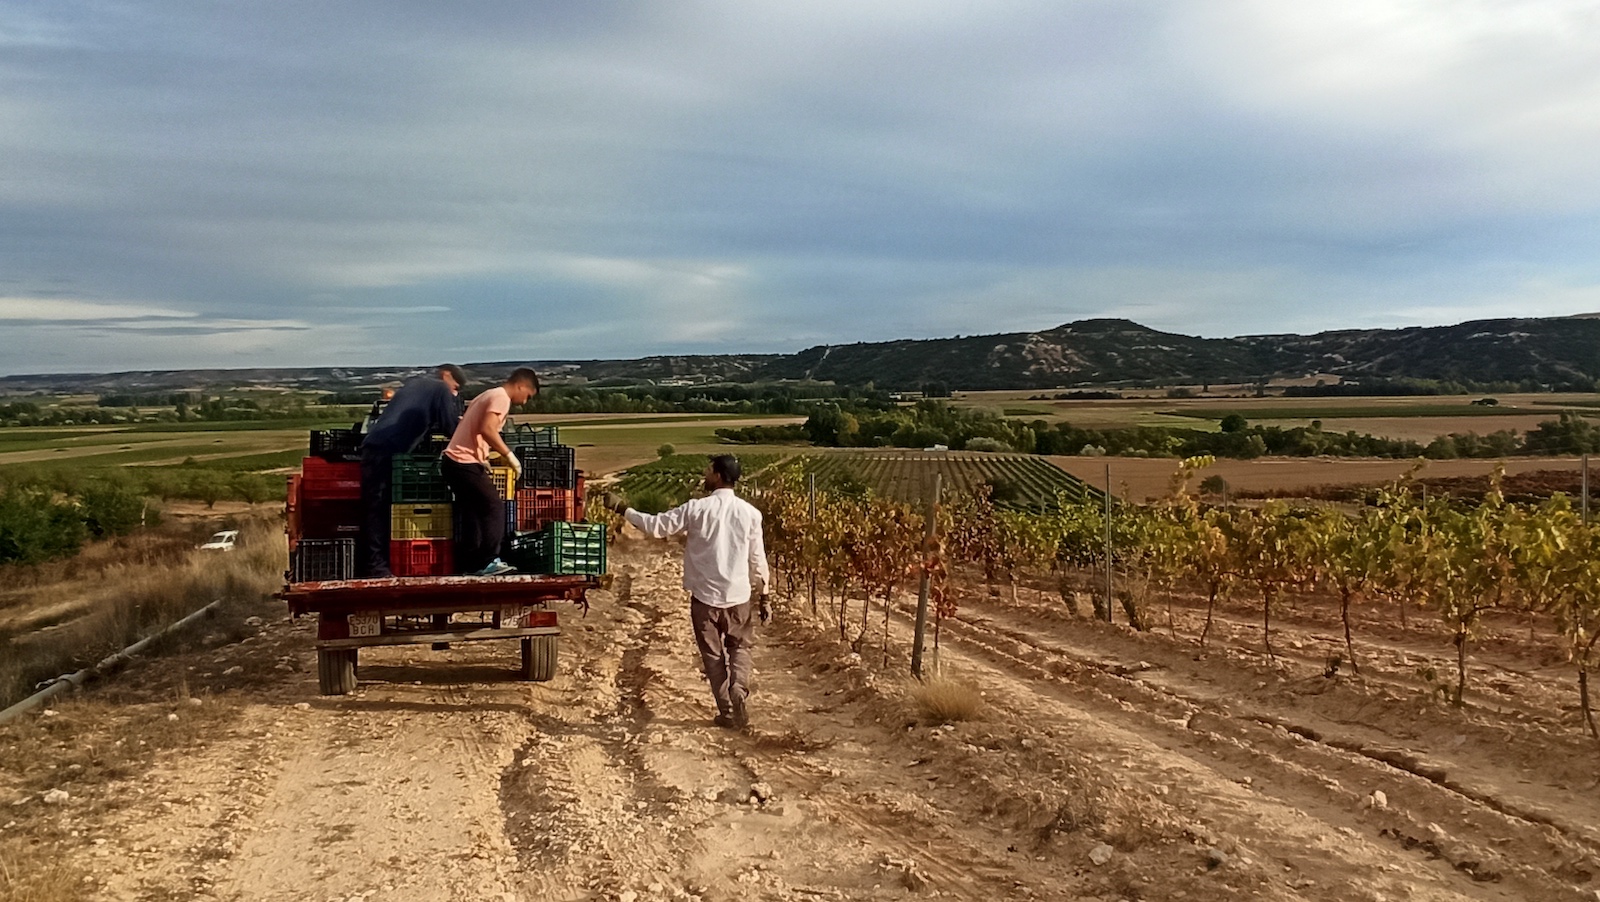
<point>659,526</point>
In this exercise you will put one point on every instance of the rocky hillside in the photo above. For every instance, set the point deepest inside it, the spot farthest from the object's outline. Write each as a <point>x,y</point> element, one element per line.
<point>1555,352</point>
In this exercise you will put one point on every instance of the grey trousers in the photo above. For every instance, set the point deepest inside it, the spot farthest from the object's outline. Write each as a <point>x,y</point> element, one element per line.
<point>724,637</point>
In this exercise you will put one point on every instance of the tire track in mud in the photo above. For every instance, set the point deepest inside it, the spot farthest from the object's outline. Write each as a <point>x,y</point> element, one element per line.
<point>582,807</point>
<point>1257,747</point>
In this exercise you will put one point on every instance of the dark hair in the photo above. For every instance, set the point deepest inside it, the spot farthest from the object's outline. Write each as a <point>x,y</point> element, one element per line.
<point>525,374</point>
<point>726,466</point>
<point>455,372</point>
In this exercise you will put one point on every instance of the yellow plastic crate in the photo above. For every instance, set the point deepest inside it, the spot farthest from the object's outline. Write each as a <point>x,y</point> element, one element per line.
<point>420,521</point>
<point>505,479</point>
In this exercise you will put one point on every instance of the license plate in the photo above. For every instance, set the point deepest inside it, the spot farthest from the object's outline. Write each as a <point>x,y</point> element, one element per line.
<point>515,617</point>
<point>366,625</point>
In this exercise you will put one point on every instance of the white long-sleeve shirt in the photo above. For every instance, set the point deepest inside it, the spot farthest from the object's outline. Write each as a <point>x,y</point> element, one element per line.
<point>725,559</point>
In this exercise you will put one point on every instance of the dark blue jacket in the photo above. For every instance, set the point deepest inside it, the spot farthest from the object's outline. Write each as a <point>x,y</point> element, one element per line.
<point>421,406</point>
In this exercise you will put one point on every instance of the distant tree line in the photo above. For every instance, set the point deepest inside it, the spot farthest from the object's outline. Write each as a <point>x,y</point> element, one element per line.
<point>183,408</point>
<point>929,423</point>
<point>778,399</point>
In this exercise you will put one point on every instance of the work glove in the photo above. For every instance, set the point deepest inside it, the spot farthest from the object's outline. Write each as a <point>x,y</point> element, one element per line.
<point>764,610</point>
<point>614,503</point>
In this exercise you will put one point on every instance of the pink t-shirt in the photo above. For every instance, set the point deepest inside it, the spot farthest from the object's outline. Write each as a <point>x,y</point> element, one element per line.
<point>486,412</point>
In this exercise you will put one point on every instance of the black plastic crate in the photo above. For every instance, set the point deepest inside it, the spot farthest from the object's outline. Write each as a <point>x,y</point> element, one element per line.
<point>547,468</point>
<point>431,444</point>
<point>531,436</point>
<point>315,560</point>
<point>417,479</point>
<point>336,444</point>
<point>565,549</point>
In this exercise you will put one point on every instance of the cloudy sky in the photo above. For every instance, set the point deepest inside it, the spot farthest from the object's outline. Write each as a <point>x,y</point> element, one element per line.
<point>313,183</point>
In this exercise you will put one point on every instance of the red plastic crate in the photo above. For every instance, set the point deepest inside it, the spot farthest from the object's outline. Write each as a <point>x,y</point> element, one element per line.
<point>327,480</point>
<point>338,518</point>
<point>291,511</point>
<point>536,507</point>
<point>422,557</point>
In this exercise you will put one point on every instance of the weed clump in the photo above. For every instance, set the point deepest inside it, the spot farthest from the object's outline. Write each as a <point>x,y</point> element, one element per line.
<point>944,700</point>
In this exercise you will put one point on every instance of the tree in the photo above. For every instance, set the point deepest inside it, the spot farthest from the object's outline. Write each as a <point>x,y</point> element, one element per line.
<point>665,451</point>
<point>1234,422</point>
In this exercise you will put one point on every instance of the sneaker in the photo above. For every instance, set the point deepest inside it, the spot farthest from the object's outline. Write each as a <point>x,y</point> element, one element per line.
<point>495,567</point>
<point>737,713</point>
<point>724,721</point>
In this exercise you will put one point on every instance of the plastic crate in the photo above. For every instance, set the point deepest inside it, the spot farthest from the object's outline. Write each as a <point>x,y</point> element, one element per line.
<point>314,560</point>
<point>337,518</point>
<point>431,444</point>
<point>565,549</point>
<point>547,468</point>
<point>421,521</point>
<point>537,507</point>
<point>530,436</point>
<point>505,481</point>
<point>326,480</point>
<point>336,444</point>
<point>416,479</point>
<point>291,510</point>
<point>422,557</point>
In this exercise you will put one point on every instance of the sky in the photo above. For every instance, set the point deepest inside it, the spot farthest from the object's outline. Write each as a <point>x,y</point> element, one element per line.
<point>288,183</point>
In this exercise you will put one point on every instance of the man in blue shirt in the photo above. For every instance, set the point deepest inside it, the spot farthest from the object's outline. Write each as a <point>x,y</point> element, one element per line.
<point>422,406</point>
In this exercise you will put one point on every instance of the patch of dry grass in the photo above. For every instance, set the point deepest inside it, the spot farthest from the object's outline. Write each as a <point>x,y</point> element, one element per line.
<point>30,872</point>
<point>123,601</point>
<point>945,700</point>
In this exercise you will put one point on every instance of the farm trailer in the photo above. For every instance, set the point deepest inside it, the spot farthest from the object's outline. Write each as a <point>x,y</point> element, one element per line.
<point>360,613</point>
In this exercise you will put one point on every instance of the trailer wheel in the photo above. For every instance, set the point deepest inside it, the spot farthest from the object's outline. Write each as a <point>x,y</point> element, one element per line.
<point>539,658</point>
<point>336,670</point>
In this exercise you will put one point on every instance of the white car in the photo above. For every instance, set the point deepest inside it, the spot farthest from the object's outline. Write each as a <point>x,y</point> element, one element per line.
<point>222,541</point>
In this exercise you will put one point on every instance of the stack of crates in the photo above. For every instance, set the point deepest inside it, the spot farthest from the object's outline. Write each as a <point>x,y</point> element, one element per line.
<point>336,444</point>
<point>324,519</point>
<point>545,528</point>
<point>421,524</point>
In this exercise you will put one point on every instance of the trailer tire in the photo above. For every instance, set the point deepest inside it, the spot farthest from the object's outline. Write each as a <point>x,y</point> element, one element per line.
<point>336,670</point>
<point>539,658</point>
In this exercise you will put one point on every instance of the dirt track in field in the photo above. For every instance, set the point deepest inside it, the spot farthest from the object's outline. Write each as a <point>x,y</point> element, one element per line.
<point>444,779</point>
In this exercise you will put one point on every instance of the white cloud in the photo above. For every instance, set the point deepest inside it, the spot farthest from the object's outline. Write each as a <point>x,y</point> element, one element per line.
<point>35,309</point>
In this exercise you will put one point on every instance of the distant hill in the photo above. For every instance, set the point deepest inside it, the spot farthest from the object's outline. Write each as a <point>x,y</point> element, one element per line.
<point>1114,351</point>
<point>1554,353</point>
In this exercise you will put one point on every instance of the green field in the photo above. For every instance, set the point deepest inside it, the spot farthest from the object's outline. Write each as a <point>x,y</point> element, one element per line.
<point>1019,480</point>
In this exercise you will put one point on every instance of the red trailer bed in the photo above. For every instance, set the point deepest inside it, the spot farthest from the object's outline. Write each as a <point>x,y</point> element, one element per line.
<point>433,609</point>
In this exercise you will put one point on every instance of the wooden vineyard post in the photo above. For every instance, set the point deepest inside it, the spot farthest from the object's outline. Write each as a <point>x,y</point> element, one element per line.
<point>922,592</point>
<point>811,479</point>
<point>1586,490</point>
<point>1109,599</point>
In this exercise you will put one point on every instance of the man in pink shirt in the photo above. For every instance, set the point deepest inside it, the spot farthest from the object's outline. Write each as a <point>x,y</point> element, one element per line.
<point>480,507</point>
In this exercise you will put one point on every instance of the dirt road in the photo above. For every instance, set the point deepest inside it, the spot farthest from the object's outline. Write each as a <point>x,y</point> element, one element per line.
<point>1103,766</point>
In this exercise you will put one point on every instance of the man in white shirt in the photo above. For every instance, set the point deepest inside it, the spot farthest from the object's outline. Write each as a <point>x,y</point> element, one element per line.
<point>724,568</point>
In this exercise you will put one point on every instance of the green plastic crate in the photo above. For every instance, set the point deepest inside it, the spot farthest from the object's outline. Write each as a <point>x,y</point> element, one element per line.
<point>416,479</point>
<point>564,549</point>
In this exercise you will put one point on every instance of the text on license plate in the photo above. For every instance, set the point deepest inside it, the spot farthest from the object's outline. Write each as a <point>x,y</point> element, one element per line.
<point>366,624</point>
